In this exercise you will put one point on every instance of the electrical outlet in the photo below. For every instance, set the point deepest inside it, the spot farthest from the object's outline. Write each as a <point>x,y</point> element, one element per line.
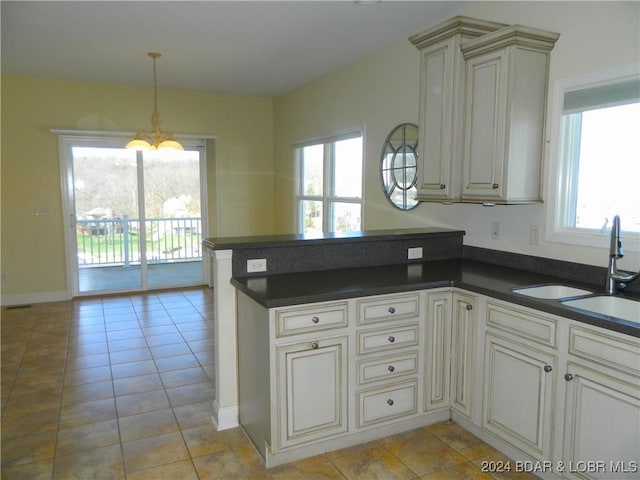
<point>414,253</point>
<point>256,265</point>
<point>495,230</point>
<point>534,235</point>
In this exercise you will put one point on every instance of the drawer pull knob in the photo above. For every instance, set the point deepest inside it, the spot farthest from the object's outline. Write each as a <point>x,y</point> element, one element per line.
<point>548,368</point>
<point>314,345</point>
<point>392,339</point>
<point>315,319</point>
<point>568,377</point>
<point>442,186</point>
<point>390,402</point>
<point>391,368</point>
<point>469,307</point>
<point>392,310</point>
<point>495,186</point>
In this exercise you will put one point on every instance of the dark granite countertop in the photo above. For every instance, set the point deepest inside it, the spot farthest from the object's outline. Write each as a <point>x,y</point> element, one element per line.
<point>261,241</point>
<point>278,290</point>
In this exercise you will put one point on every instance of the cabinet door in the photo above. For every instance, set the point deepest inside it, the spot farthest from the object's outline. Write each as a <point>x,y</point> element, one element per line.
<point>463,352</point>
<point>312,390</point>
<point>518,393</point>
<point>437,120</point>
<point>602,423</point>
<point>484,126</point>
<point>437,350</point>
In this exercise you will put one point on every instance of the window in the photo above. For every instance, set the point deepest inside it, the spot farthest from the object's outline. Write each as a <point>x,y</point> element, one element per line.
<point>329,185</point>
<point>598,159</point>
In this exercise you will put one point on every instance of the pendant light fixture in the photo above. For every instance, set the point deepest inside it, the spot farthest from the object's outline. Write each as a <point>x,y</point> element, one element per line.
<point>155,139</point>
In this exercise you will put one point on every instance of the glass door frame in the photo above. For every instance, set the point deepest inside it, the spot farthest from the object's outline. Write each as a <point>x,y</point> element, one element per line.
<point>66,141</point>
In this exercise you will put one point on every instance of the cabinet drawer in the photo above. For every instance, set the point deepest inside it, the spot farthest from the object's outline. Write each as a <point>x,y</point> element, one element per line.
<point>387,403</point>
<point>311,319</point>
<point>387,367</point>
<point>617,351</point>
<point>387,338</point>
<point>388,307</point>
<point>522,323</point>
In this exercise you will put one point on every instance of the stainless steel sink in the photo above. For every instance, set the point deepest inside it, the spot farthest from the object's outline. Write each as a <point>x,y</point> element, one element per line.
<point>617,307</point>
<point>552,291</point>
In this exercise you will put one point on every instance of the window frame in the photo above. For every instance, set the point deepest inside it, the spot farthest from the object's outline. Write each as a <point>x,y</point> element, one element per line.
<point>328,197</point>
<point>563,174</point>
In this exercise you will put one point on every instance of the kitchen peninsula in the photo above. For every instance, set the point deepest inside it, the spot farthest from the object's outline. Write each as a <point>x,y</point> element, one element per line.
<point>385,316</point>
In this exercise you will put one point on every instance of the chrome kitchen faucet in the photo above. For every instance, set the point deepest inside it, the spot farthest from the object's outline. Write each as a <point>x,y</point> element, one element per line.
<point>616,279</point>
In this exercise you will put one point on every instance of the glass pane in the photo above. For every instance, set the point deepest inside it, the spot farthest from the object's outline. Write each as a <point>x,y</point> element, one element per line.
<point>311,216</point>
<point>105,192</point>
<point>348,168</point>
<point>311,169</point>
<point>609,168</point>
<point>345,217</point>
<point>173,219</point>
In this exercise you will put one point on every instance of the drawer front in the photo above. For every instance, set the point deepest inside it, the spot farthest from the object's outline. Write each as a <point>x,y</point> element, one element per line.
<point>388,307</point>
<point>387,403</point>
<point>617,351</point>
<point>385,368</point>
<point>522,324</point>
<point>370,341</point>
<point>311,319</point>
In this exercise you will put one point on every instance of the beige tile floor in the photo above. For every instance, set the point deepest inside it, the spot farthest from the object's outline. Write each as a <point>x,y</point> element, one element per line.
<point>121,388</point>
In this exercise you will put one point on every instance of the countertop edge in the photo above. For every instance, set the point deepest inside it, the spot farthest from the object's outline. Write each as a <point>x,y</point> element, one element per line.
<point>550,306</point>
<point>288,240</point>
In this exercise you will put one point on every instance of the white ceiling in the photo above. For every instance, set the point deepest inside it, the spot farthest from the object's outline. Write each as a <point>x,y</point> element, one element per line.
<point>243,47</point>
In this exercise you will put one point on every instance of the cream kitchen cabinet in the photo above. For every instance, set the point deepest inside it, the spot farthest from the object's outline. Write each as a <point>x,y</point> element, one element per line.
<point>321,376</point>
<point>437,340</point>
<point>602,405</point>
<point>520,378</point>
<point>311,390</point>
<point>463,352</point>
<point>483,94</point>
<point>519,381</point>
<point>293,374</point>
<point>504,114</point>
<point>388,349</point>
<point>442,88</point>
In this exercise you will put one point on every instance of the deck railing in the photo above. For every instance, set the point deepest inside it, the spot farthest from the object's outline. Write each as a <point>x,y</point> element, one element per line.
<point>116,241</point>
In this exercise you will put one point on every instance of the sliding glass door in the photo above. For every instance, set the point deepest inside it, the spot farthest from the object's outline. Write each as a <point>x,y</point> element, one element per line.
<point>134,219</point>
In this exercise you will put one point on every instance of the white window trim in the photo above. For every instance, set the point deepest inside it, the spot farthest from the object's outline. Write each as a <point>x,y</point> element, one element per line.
<point>328,196</point>
<point>561,177</point>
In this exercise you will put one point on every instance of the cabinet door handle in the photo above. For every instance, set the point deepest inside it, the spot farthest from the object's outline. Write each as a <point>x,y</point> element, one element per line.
<point>392,339</point>
<point>442,186</point>
<point>315,319</point>
<point>548,368</point>
<point>469,307</point>
<point>495,186</point>
<point>568,377</point>
<point>314,345</point>
<point>392,310</point>
<point>390,402</point>
<point>391,368</point>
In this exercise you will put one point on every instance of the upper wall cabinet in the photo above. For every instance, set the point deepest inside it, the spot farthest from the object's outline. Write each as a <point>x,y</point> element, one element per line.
<point>482,110</point>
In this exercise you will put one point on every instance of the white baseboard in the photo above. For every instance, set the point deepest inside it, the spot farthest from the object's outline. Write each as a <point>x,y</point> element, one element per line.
<point>225,418</point>
<point>31,298</point>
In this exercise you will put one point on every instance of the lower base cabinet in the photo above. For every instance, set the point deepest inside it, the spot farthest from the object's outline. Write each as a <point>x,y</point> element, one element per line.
<point>602,424</point>
<point>312,386</point>
<point>543,389</point>
<point>519,382</point>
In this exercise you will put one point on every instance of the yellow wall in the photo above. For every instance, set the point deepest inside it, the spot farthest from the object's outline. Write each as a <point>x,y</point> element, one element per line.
<point>32,247</point>
<point>382,90</point>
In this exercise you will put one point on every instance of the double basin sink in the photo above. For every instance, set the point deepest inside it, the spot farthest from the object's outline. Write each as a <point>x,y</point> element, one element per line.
<point>616,307</point>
